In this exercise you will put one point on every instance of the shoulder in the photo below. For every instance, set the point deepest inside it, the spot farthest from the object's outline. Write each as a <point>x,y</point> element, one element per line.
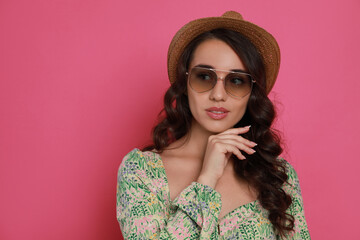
<point>143,164</point>
<point>289,169</point>
<point>131,161</point>
<point>292,183</point>
<point>136,159</point>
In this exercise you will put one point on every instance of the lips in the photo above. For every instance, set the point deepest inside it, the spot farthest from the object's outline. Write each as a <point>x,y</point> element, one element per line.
<point>217,113</point>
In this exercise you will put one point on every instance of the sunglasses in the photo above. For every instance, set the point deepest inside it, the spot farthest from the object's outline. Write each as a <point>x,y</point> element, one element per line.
<point>237,84</point>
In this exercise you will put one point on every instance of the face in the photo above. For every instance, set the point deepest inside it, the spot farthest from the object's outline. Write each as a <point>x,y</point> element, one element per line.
<point>215,110</point>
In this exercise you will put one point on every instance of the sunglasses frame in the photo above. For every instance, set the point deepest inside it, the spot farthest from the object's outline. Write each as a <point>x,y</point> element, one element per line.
<point>222,79</point>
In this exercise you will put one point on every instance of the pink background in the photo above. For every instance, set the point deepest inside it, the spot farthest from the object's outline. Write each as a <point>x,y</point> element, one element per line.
<point>81,83</point>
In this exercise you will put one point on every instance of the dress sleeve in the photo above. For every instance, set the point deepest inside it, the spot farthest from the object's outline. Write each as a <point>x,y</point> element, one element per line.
<point>296,209</point>
<point>142,212</point>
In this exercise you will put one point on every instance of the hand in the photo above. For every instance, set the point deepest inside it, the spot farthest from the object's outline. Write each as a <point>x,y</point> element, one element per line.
<point>218,151</point>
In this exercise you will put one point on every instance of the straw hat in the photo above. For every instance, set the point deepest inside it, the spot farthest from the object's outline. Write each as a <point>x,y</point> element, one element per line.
<point>262,40</point>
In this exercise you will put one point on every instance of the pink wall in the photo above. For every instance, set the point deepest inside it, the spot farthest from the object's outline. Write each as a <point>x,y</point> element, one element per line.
<point>81,83</point>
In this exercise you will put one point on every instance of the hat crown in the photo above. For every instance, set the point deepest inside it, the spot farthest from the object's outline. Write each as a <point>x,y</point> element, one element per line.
<point>233,15</point>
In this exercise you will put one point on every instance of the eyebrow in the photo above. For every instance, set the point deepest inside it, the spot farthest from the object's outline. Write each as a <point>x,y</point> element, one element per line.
<point>209,66</point>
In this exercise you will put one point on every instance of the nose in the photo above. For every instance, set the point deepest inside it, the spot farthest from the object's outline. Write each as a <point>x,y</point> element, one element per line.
<point>218,93</point>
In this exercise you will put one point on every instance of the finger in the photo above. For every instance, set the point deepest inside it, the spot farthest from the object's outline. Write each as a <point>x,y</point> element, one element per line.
<point>238,138</point>
<point>226,148</point>
<point>240,146</point>
<point>240,130</point>
<point>235,151</point>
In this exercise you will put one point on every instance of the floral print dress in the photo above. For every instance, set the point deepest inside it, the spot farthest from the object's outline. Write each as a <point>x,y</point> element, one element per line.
<point>145,211</point>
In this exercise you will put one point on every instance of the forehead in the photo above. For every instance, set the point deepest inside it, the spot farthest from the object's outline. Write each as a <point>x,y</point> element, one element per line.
<point>217,54</point>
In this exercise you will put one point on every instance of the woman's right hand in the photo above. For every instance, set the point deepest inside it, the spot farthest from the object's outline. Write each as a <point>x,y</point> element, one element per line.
<point>218,151</point>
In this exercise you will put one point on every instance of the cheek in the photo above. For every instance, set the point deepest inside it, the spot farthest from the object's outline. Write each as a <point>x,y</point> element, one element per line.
<point>191,99</point>
<point>193,103</point>
<point>241,109</point>
<point>196,104</point>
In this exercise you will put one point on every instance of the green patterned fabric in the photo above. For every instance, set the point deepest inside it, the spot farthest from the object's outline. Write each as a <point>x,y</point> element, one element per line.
<point>145,211</point>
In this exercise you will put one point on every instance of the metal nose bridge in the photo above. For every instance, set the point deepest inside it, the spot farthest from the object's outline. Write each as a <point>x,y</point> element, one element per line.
<point>221,72</point>
<point>220,78</point>
<point>215,91</point>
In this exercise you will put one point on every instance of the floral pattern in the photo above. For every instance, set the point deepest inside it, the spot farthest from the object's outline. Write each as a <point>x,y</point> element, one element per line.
<point>145,211</point>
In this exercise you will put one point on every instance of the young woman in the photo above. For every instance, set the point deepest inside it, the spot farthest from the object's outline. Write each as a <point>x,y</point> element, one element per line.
<point>214,171</point>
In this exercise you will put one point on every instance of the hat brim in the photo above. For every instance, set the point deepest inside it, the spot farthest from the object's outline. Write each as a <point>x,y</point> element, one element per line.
<point>264,42</point>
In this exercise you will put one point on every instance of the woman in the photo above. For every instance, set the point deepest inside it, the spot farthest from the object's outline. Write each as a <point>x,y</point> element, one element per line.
<point>214,170</point>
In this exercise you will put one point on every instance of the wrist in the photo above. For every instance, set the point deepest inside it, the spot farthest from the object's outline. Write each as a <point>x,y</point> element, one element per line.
<point>207,180</point>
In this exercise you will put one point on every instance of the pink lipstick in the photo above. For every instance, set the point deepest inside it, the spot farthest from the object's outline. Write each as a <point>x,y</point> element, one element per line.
<point>217,113</point>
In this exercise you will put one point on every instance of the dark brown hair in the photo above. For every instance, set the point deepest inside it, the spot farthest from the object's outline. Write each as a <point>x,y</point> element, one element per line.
<point>262,169</point>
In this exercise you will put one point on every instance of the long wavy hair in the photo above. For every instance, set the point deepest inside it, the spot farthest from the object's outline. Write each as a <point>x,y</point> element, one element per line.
<point>262,169</point>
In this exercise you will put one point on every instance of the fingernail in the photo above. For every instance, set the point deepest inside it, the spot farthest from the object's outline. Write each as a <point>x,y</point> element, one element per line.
<point>248,126</point>
<point>253,151</point>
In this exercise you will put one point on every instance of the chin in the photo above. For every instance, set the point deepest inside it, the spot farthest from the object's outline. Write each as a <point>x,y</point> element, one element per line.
<point>217,127</point>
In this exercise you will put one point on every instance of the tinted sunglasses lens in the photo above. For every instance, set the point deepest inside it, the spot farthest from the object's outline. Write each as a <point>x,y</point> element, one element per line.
<point>202,80</point>
<point>238,84</point>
